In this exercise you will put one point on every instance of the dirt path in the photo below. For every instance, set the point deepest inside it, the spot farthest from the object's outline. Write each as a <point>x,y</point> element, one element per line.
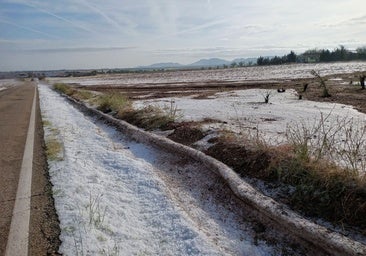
<point>15,108</point>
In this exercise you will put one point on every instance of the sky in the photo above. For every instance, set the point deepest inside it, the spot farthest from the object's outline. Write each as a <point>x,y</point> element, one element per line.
<point>88,34</point>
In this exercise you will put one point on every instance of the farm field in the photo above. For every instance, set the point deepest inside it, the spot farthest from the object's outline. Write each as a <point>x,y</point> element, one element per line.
<point>233,99</point>
<point>223,113</point>
<point>236,75</point>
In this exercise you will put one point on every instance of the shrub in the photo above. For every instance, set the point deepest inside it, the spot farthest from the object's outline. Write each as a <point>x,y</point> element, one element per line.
<point>82,95</point>
<point>63,88</point>
<point>150,117</point>
<point>341,141</point>
<point>323,163</point>
<point>323,190</point>
<point>54,149</point>
<point>113,101</point>
<point>267,95</point>
<point>362,81</point>
<point>325,92</point>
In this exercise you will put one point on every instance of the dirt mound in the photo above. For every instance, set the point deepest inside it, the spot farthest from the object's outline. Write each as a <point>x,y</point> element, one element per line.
<point>244,161</point>
<point>186,134</point>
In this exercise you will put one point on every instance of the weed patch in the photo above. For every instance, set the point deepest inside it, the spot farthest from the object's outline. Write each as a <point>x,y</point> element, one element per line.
<point>63,88</point>
<point>342,142</point>
<point>150,117</point>
<point>96,212</point>
<point>82,95</point>
<point>113,102</point>
<point>321,188</point>
<point>54,149</point>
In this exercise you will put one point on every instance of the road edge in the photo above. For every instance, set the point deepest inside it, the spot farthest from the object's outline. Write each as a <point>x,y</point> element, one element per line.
<point>18,238</point>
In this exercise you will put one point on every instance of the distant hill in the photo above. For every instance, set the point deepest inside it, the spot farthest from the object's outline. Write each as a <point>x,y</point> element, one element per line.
<point>210,62</point>
<point>164,65</point>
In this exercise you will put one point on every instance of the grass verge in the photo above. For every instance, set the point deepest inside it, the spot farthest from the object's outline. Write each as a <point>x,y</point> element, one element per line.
<point>77,94</point>
<point>149,117</point>
<point>63,88</point>
<point>319,187</point>
<point>54,148</point>
<point>113,102</point>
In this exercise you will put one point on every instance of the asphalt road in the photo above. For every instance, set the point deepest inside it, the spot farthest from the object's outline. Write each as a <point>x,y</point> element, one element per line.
<point>15,110</point>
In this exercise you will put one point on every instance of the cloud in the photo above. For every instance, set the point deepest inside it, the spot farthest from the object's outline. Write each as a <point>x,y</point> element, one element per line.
<point>102,14</point>
<point>174,30</point>
<point>357,21</point>
<point>70,22</point>
<point>361,20</point>
<point>28,28</point>
<point>80,49</point>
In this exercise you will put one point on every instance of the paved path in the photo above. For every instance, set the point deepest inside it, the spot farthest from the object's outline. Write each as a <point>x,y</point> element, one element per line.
<point>15,110</point>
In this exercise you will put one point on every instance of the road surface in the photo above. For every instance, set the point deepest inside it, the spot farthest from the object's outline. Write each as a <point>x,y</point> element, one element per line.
<point>15,109</point>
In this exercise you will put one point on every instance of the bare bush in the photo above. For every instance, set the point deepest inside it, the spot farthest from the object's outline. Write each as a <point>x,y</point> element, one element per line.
<point>325,92</point>
<point>341,141</point>
<point>267,95</point>
<point>362,81</point>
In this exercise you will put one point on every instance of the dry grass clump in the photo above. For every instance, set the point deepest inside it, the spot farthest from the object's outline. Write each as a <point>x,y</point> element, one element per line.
<point>150,117</point>
<point>77,94</point>
<point>82,94</point>
<point>327,167</point>
<point>323,163</point>
<point>63,88</point>
<point>321,189</point>
<point>341,141</point>
<point>113,102</point>
<point>54,149</point>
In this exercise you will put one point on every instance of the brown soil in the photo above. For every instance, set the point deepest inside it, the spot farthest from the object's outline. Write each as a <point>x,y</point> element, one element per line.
<point>244,161</point>
<point>197,90</point>
<point>44,224</point>
<point>186,134</point>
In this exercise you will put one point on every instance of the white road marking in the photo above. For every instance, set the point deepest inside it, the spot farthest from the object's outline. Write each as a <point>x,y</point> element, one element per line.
<point>19,228</point>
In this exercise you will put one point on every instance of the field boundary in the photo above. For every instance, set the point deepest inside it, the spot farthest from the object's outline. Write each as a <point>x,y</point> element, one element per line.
<point>332,242</point>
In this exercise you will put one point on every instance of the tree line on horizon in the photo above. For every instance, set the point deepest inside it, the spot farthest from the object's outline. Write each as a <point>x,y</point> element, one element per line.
<point>315,55</point>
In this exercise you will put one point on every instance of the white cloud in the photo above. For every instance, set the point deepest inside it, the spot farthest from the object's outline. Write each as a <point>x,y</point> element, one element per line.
<point>227,28</point>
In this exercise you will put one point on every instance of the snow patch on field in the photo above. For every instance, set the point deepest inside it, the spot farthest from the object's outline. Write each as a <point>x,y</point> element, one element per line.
<point>245,110</point>
<point>110,200</point>
<point>268,73</point>
<point>7,83</point>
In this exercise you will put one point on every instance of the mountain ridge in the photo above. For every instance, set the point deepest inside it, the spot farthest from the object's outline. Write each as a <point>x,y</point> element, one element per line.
<point>210,62</point>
